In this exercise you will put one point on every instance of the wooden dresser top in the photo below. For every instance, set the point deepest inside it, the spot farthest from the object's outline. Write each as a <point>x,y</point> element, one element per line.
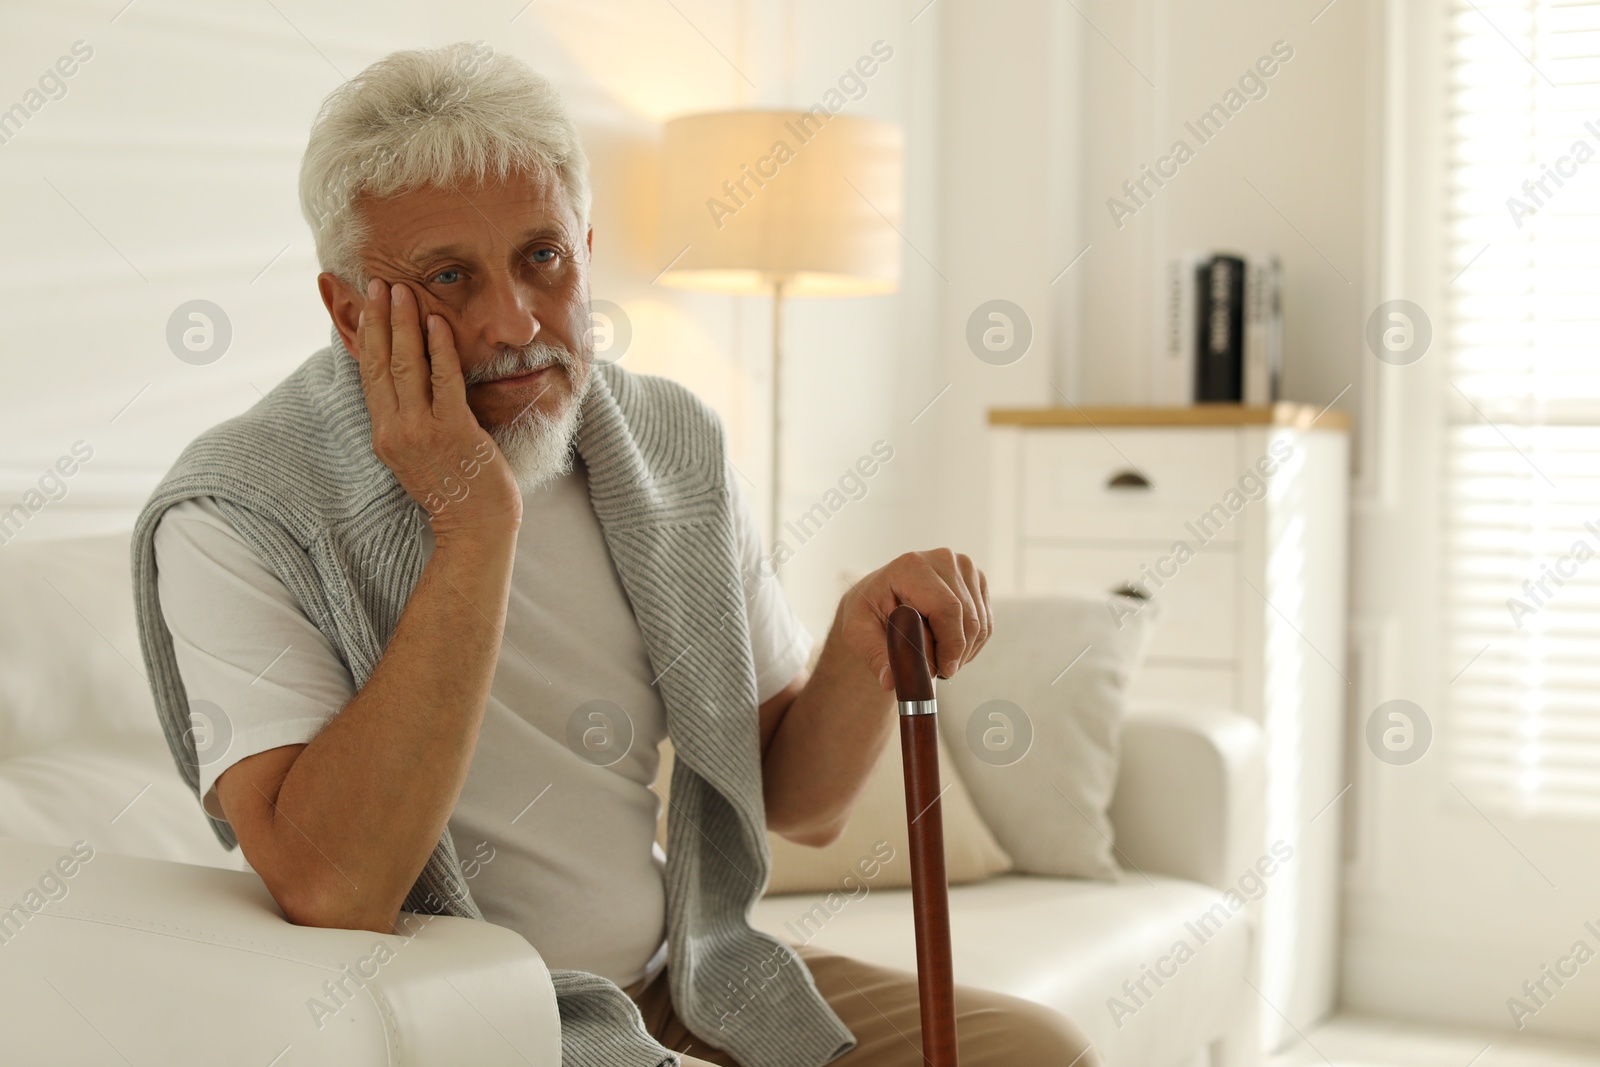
<point>1297,416</point>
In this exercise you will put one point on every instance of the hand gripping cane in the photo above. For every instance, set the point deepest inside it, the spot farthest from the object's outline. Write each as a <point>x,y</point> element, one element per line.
<point>910,645</point>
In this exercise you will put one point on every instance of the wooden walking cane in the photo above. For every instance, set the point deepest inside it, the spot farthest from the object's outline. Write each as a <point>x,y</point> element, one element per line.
<point>910,659</point>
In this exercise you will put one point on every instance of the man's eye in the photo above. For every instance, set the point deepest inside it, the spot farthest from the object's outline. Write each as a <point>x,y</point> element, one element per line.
<point>550,253</point>
<point>448,277</point>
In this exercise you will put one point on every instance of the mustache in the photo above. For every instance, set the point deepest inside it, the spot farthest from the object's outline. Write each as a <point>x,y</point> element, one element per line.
<point>510,362</point>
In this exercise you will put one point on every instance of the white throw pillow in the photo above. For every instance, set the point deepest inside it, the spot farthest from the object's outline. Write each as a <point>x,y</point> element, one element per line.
<point>1034,725</point>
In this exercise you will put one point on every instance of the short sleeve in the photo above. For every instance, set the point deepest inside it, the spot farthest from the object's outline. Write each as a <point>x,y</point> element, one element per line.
<point>779,641</point>
<point>257,671</point>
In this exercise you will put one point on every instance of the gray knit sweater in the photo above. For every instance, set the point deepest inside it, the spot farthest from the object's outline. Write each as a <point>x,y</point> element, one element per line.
<point>296,475</point>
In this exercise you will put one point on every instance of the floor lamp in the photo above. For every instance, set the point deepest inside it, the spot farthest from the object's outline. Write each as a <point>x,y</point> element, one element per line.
<point>786,203</point>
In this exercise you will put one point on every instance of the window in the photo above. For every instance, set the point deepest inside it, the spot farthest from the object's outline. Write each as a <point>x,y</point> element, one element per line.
<point>1522,505</point>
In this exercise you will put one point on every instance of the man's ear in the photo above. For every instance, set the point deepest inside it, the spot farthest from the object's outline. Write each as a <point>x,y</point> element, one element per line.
<point>344,308</point>
<point>589,240</point>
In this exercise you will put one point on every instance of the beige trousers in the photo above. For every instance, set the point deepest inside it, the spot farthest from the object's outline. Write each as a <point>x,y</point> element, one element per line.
<point>880,1006</point>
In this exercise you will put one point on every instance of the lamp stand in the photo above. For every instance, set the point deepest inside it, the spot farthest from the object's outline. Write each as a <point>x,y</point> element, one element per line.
<point>777,408</point>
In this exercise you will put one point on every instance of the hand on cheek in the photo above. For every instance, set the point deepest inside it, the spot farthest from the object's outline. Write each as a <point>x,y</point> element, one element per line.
<point>428,301</point>
<point>427,306</point>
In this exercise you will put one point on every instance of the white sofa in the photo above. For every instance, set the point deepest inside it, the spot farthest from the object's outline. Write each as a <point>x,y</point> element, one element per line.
<point>164,948</point>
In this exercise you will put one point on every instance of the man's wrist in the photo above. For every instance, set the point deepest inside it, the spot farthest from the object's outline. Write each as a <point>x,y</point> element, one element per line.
<point>491,539</point>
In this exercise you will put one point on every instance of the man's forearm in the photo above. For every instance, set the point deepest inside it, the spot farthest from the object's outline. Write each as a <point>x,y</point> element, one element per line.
<point>826,746</point>
<point>365,802</point>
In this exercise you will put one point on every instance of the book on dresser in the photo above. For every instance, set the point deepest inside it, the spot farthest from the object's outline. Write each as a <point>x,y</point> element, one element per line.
<point>1221,331</point>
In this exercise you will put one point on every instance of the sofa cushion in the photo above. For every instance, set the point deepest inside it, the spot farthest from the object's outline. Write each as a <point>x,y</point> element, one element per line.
<point>1034,724</point>
<point>1069,944</point>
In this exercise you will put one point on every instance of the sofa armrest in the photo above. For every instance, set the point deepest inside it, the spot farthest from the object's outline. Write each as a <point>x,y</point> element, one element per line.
<point>1190,798</point>
<point>171,963</point>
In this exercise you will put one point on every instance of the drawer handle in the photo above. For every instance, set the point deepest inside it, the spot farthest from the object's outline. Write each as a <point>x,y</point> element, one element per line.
<point>1128,480</point>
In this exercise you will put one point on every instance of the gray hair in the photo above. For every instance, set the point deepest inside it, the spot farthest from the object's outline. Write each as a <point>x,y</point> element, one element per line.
<point>461,113</point>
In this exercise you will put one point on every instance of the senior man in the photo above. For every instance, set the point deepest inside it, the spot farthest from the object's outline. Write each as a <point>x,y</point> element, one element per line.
<point>388,611</point>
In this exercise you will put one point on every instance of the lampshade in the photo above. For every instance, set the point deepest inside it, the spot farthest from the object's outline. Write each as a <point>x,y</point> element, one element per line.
<point>808,199</point>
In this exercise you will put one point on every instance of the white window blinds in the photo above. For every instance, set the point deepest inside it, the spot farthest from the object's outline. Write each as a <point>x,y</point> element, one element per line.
<point>1522,506</point>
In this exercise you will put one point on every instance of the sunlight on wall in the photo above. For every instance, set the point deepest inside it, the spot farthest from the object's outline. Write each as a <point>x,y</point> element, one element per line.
<point>639,56</point>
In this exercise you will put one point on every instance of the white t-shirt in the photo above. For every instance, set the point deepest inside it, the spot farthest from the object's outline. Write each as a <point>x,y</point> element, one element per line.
<point>575,868</point>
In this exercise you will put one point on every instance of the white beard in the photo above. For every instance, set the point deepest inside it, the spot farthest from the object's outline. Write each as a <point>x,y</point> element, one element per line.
<point>537,446</point>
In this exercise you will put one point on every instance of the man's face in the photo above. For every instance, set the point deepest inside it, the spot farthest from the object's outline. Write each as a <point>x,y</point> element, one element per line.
<point>507,267</point>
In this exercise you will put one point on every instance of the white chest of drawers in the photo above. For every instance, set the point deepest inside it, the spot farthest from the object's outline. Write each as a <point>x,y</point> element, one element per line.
<point>1234,521</point>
